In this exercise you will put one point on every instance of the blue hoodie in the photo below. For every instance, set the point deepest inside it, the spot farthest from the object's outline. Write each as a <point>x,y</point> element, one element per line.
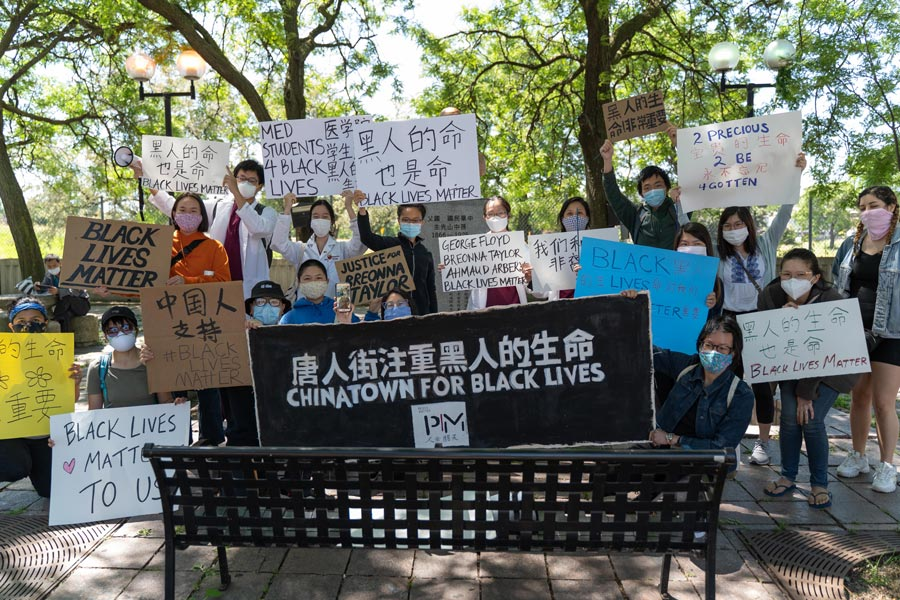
<point>305,312</point>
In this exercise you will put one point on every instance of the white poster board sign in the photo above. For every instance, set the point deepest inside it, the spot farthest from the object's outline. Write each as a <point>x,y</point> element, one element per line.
<point>746,162</point>
<point>814,340</point>
<point>448,219</point>
<point>309,157</point>
<point>488,260</point>
<point>418,161</point>
<point>554,256</point>
<point>183,165</point>
<point>440,424</point>
<point>98,472</point>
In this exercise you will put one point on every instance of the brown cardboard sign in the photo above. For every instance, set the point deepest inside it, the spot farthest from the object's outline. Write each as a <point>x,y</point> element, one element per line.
<point>197,336</point>
<point>374,274</point>
<point>121,255</point>
<point>636,116</point>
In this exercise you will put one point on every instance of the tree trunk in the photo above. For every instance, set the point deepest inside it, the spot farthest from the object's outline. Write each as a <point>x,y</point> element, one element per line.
<point>18,217</point>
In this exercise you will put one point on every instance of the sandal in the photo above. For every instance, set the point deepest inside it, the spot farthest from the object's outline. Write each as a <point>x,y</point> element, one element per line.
<point>777,489</point>
<point>819,500</point>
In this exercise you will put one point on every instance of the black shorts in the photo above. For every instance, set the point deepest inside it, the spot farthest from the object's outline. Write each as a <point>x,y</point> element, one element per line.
<point>887,351</point>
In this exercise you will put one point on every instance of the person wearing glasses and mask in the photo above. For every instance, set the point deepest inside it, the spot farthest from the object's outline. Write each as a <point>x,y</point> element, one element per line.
<point>396,304</point>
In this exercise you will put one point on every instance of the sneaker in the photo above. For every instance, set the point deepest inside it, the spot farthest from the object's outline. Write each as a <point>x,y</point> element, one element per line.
<point>760,454</point>
<point>853,465</point>
<point>885,480</point>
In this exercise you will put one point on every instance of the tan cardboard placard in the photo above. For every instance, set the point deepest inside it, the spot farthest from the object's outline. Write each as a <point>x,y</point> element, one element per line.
<point>636,116</point>
<point>197,335</point>
<point>122,255</point>
<point>372,275</point>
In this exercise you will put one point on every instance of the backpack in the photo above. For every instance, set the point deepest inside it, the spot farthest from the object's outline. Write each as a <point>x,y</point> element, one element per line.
<point>731,390</point>
<point>267,244</point>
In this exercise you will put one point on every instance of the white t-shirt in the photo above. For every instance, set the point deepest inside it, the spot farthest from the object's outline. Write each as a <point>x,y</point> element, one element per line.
<point>740,293</point>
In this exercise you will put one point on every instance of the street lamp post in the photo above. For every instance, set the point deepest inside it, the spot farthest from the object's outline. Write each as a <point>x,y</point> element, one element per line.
<point>724,57</point>
<point>190,65</point>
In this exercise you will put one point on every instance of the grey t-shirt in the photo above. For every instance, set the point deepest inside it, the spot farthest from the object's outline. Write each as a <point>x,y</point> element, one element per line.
<point>124,387</point>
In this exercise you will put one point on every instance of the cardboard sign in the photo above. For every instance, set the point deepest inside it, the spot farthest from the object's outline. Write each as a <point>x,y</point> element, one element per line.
<point>34,381</point>
<point>183,165</point>
<point>487,260</point>
<point>418,161</point>
<point>636,116</point>
<point>121,255</point>
<point>196,333</point>
<point>372,275</point>
<point>309,157</point>
<point>746,162</point>
<point>814,340</point>
<point>678,284</point>
<point>98,472</point>
<point>543,378</point>
<point>554,256</point>
<point>448,219</point>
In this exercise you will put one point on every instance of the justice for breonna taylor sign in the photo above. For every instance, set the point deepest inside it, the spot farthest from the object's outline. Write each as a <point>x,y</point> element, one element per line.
<point>544,378</point>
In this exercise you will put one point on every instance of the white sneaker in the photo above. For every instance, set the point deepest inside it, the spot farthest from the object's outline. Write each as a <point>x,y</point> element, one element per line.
<point>853,465</point>
<point>760,454</point>
<point>885,480</point>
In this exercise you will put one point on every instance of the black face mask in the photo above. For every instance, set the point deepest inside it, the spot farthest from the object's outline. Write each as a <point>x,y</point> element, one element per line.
<point>30,327</point>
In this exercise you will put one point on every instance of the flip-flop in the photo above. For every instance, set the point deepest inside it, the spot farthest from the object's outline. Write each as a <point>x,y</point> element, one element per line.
<point>787,489</point>
<point>813,496</point>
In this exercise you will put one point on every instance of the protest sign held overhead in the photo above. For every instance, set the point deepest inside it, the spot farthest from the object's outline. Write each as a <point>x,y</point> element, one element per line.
<point>98,472</point>
<point>418,161</point>
<point>636,116</point>
<point>183,165</point>
<point>196,333</point>
<point>447,219</point>
<point>34,381</point>
<point>544,378</point>
<point>813,340</point>
<point>747,162</point>
<point>372,275</point>
<point>121,255</point>
<point>678,284</point>
<point>554,256</point>
<point>309,157</point>
<point>487,260</point>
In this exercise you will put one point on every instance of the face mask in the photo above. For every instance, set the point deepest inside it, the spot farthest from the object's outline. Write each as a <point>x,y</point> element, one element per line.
<point>247,189</point>
<point>267,314</point>
<point>715,362</point>
<point>655,197</point>
<point>312,290</point>
<point>321,227</point>
<point>796,288</point>
<point>497,224</point>
<point>877,222</point>
<point>698,250</point>
<point>736,237</point>
<point>188,222</point>
<point>395,312</point>
<point>410,230</point>
<point>30,327</point>
<point>575,223</point>
<point>122,342</point>
<point>53,271</point>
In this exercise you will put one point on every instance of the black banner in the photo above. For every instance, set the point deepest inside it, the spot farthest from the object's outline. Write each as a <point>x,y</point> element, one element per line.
<point>549,373</point>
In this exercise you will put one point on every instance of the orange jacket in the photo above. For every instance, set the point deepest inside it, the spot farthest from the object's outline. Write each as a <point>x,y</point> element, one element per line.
<point>205,263</point>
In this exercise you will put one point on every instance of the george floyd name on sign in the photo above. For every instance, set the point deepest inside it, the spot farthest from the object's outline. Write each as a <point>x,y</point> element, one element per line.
<point>457,379</point>
<point>487,260</point>
<point>374,274</point>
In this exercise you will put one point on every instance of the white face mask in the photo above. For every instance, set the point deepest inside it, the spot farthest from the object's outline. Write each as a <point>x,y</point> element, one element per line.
<point>53,271</point>
<point>698,250</point>
<point>122,342</point>
<point>320,227</point>
<point>313,290</point>
<point>247,189</point>
<point>736,237</point>
<point>497,224</point>
<point>796,288</point>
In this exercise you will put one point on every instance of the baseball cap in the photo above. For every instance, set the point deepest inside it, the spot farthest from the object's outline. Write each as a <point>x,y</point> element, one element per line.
<point>117,312</point>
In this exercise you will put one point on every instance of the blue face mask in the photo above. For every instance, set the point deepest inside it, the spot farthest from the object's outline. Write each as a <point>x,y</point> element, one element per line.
<point>267,315</point>
<point>395,312</point>
<point>715,362</point>
<point>575,223</point>
<point>654,197</point>
<point>410,230</point>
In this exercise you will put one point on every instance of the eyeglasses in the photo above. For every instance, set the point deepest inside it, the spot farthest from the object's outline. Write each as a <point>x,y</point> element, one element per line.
<point>113,331</point>
<point>721,348</point>
<point>501,213</point>
<point>409,221</point>
<point>270,301</point>
<point>396,304</point>
<point>798,275</point>
<point>252,180</point>
<point>20,326</point>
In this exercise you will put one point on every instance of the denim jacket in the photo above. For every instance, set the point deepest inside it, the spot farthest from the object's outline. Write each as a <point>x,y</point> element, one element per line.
<point>887,305</point>
<point>718,425</point>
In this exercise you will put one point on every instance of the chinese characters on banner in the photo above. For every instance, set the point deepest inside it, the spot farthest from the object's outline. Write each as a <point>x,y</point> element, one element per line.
<point>447,219</point>
<point>636,116</point>
<point>487,260</point>
<point>98,472</point>
<point>196,333</point>
<point>418,161</point>
<point>678,284</point>
<point>183,165</point>
<point>543,378</point>
<point>34,381</point>
<point>554,256</point>
<point>309,157</point>
<point>814,340</point>
<point>121,255</point>
<point>373,274</point>
<point>747,162</point>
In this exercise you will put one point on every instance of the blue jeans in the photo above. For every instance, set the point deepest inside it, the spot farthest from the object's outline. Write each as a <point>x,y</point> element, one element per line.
<point>792,434</point>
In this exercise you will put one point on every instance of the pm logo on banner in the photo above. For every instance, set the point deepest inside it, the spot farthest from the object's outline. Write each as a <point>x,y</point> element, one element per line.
<point>747,162</point>
<point>183,165</point>
<point>678,284</point>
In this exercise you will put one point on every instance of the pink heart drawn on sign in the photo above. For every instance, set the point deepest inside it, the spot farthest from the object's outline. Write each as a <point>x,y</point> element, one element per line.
<point>68,467</point>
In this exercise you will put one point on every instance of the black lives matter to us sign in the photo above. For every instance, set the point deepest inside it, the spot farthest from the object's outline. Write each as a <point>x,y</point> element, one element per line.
<point>551,373</point>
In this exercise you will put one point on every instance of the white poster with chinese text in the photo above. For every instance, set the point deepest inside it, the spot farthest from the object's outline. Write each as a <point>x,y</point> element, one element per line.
<point>554,256</point>
<point>184,165</point>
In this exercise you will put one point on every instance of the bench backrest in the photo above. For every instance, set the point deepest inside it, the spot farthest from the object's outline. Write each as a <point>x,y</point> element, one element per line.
<point>441,499</point>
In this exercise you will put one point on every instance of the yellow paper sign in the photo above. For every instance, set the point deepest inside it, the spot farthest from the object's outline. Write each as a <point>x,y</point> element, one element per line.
<point>34,381</point>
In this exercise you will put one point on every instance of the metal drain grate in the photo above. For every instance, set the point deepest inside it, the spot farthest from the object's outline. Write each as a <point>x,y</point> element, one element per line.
<point>813,564</point>
<point>33,556</point>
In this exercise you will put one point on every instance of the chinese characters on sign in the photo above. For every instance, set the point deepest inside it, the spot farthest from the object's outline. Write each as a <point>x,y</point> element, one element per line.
<point>309,157</point>
<point>747,162</point>
<point>448,219</point>
<point>814,340</point>
<point>373,274</point>
<point>635,116</point>
<point>554,256</point>
<point>196,333</point>
<point>183,165</point>
<point>418,161</point>
<point>488,260</point>
<point>34,381</point>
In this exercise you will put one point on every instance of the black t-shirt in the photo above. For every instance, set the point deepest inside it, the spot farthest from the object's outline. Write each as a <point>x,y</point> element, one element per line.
<point>864,284</point>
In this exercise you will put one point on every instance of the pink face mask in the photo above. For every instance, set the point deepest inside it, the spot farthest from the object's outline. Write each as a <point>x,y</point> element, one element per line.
<point>877,221</point>
<point>188,222</point>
